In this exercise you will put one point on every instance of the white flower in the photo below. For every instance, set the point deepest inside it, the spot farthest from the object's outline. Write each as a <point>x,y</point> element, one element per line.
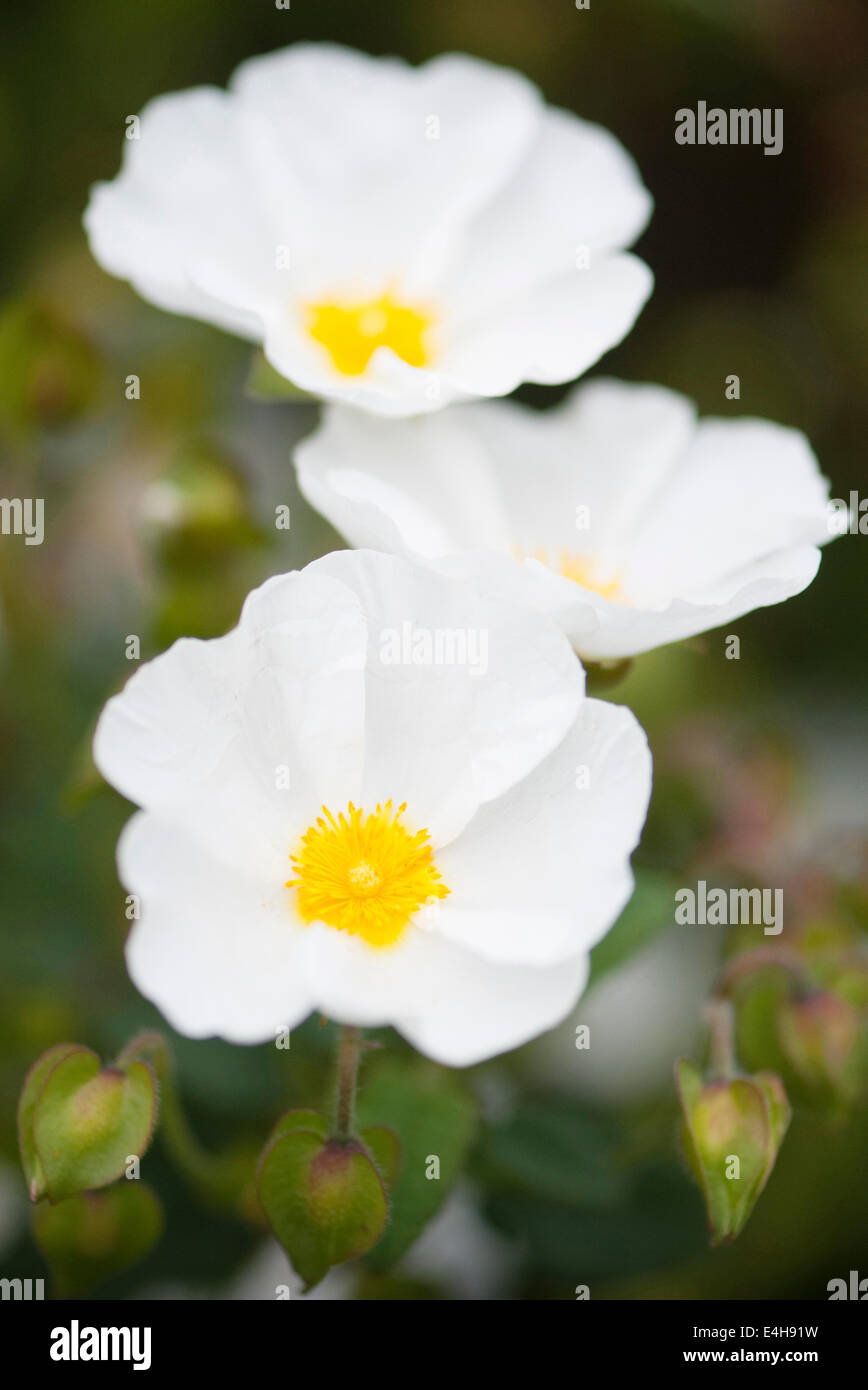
<point>396,238</point>
<point>616,513</point>
<point>330,823</point>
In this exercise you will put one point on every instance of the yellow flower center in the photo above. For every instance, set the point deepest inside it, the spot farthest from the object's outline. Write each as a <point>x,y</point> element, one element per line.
<point>364,874</point>
<point>352,332</point>
<point>582,569</point>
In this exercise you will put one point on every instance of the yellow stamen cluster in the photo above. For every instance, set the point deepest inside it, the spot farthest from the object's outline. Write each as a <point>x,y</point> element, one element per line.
<point>581,569</point>
<point>352,332</point>
<point>364,874</point>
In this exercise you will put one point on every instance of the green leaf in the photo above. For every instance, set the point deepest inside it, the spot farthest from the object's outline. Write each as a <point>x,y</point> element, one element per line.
<point>87,1238</point>
<point>433,1117</point>
<point>265,383</point>
<point>650,909</point>
<point>324,1200</point>
<point>555,1150</point>
<point>659,1223</point>
<point>33,1084</point>
<point>87,1122</point>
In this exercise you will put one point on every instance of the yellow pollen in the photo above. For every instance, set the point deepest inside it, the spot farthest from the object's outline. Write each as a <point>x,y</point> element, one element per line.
<point>365,874</point>
<point>580,568</point>
<point>352,332</point>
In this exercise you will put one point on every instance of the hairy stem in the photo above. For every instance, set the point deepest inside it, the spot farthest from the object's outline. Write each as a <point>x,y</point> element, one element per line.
<point>348,1071</point>
<point>721,1022</point>
<point>215,1176</point>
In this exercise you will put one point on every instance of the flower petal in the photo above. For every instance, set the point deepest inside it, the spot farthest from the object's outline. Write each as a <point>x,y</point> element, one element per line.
<point>692,525</point>
<point>743,490</point>
<point>185,203</point>
<point>543,873</point>
<point>374,166</point>
<point>554,332</point>
<point>216,950</point>
<point>448,1002</point>
<point>204,732</point>
<point>497,475</point>
<point>577,188</point>
<point>623,631</point>
<point>425,486</point>
<point>580,477</point>
<point>465,693</point>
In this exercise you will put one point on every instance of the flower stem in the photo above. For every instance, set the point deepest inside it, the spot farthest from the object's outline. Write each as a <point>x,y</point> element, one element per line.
<point>721,1022</point>
<point>762,957</point>
<point>348,1071</point>
<point>217,1177</point>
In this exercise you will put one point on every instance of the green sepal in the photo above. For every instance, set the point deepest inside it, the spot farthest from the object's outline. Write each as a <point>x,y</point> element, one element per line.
<point>33,1084</point>
<point>384,1147</point>
<point>295,1120</point>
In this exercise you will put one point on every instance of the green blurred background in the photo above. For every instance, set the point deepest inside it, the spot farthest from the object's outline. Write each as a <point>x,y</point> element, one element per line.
<point>158,521</point>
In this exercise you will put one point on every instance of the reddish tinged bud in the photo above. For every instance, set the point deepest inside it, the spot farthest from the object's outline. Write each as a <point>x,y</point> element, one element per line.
<point>324,1198</point>
<point>79,1125</point>
<point>733,1128</point>
<point>824,1040</point>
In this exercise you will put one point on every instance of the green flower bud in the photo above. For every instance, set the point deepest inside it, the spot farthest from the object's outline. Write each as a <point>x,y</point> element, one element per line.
<point>88,1238</point>
<point>325,1199</point>
<point>733,1131</point>
<point>79,1125</point>
<point>825,1042</point>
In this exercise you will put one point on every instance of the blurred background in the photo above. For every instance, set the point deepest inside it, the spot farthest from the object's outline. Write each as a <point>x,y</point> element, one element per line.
<point>158,521</point>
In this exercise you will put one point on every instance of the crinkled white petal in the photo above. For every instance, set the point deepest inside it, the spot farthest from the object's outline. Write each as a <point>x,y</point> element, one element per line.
<point>581,476</point>
<point>543,872</point>
<point>624,631</point>
<point>577,190</point>
<point>744,489</point>
<point>371,166</point>
<point>185,208</point>
<point>601,629</point>
<point>554,332</point>
<point>216,949</point>
<point>696,525</point>
<point>465,693</point>
<point>497,475</point>
<point>230,735</point>
<point>427,486</point>
<point>450,1003</point>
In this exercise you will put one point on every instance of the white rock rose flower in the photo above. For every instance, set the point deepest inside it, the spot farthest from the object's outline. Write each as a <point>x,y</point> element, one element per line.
<point>621,517</point>
<point>396,238</point>
<point>381,796</point>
